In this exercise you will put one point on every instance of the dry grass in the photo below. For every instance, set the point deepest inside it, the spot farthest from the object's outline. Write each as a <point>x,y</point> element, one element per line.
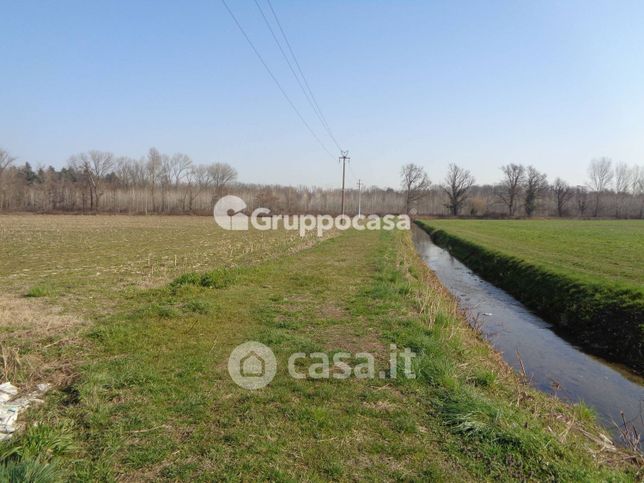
<point>90,255</point>
<point>58,271</point>
<point>33,330</point>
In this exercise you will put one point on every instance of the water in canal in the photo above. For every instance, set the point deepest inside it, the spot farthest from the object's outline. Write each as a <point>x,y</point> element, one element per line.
<point>552,363</point>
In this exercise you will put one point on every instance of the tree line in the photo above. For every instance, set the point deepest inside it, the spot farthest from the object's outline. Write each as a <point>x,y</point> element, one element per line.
<point>98,181</point>
<point>612,190</point>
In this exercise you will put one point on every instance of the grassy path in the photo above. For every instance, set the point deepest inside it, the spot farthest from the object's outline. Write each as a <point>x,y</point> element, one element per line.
<point>155,399</point>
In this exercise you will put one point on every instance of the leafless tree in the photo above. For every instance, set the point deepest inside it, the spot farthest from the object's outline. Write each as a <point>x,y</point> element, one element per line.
<point>563,193</point>
<point>622,176</point>
<point>457,186</point>
<point>5,160</point>
<point>198,181</point>
<point>581,195</point>
<point>221,176</point>
<point>267,199</point>
<point>535,185</point>
<point>154,168</point>
<point>637,187</point>
<point>509,190</point>
<point>94,165</point>
<point>179,165</point>
<point>601,174</point>
<point>415,184</point>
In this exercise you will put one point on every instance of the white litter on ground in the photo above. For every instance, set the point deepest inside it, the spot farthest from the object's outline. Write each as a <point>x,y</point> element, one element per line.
<point>11,406</point>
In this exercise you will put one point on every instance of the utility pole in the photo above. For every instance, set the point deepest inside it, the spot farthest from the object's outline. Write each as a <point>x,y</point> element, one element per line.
<point>343,159</point>
<point>359,195</point>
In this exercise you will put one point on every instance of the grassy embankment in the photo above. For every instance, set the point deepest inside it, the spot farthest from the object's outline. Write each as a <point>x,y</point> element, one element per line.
<point>586,277</point>
<point>151,398</point>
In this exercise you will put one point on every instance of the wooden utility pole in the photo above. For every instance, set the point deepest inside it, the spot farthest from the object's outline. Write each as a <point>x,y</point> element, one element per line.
<point>343,159</point>
<point>359,196</point>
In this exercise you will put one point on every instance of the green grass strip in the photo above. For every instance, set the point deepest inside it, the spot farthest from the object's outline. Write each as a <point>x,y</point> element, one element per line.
<point>605,320</point>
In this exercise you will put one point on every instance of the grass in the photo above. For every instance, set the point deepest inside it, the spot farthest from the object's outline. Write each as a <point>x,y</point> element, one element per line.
<point>585,277</point>
<point>58,272</point>
<point>151,397</point>
<point>89,259</point>
<point>606,251</point>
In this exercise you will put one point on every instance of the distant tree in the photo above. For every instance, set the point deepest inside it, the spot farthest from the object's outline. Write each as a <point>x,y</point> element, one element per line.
<point>601,174</point>
<point>28,174</point>
<point>415,184</point>
<point>581,194</point>
<point>198,181</point>
<point>637,187</point>
<point>221,176</point>
<point>5,160</point>
<point>622,175</point>
<point>178,166</point>
<point>154,170</point>
<point>94,166</point>
<point>563,193</point>
<point>509,190</point>
<point>267,199</point>
<point>535,185</point>
<point>457,186</point>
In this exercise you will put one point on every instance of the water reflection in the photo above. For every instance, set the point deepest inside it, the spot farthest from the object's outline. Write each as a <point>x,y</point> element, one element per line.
<point>553,364</point>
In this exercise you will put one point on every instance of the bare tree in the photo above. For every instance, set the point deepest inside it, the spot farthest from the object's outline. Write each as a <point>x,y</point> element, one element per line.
<point>198,181</point>
<point>5,160</point>
<point>509,189</point>
<point>622,175</point>
<point>581,194</point>
<point>601,174</point>
<point>221,176</point>
<point>267,199</point>
<point>154,169</point>
<point>457,186</point>
<point>178,167</point>
<point>637,187</point>
<point>535,185</point>
<point>563,193</point>
<point>95,166</point>
<point>415,184</point>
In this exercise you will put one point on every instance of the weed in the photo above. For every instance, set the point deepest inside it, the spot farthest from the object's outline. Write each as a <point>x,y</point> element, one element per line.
<point>38,292</point>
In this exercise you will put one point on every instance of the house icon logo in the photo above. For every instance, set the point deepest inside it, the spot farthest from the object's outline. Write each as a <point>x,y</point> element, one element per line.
<point>252,365</point>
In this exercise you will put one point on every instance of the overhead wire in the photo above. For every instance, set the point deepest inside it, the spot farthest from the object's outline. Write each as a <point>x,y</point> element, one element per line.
<point>304,90</point>
<point>311,97</point>
<point>277,82</point>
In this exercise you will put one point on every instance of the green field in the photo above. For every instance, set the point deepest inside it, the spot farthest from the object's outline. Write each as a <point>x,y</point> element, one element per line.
<point>140,368</point>
<point>608,252</point>
<point>586,277</point>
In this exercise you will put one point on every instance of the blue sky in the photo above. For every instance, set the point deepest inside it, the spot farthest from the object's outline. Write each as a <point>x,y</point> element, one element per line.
<point>478,83</point>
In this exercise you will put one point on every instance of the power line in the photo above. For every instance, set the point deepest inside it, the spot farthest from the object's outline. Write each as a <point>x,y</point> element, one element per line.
<point>277,82</point>
<point>317,109</point>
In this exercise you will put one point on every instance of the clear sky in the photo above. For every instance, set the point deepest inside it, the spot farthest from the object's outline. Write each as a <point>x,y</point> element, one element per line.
<point>478,83</point>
